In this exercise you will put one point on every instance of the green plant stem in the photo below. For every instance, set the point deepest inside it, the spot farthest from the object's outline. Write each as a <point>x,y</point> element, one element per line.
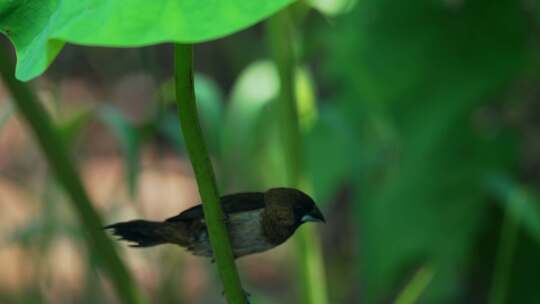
<point>58,159</point>
<point>418,284</point>
<point>312,275</point>
<point>204,174</point>
<point>505,252</point>
<point>311,266</point>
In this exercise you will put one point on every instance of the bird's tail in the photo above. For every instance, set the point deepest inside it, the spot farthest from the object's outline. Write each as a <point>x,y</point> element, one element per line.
<point>143,233</point>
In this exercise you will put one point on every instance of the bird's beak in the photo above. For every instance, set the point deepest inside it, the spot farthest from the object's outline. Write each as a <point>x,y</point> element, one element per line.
<point>314,216</point>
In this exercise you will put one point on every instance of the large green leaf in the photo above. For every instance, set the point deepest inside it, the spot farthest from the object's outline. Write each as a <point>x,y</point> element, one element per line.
<point>39,28</point>
<point>415,76</point>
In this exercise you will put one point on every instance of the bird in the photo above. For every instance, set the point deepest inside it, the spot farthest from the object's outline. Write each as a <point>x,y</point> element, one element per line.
<point>256,222</point>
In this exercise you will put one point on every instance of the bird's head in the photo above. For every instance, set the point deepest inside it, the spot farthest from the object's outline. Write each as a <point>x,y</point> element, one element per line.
<point>303,207</point>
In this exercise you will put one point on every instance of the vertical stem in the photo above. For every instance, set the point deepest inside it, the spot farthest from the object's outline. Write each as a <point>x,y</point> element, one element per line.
<point>204,174</point>
<point>505,254</point>
<point>418,284</point>
<point>58,159</point>
<point>312,267</point>
<point>280,39</point>
<point>279,28</point>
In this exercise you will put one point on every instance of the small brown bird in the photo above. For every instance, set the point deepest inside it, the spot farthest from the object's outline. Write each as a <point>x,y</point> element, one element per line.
<point>256,222</point>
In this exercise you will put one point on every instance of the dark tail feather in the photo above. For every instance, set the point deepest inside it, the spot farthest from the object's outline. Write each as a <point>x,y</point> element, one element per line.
<point>141,233</point>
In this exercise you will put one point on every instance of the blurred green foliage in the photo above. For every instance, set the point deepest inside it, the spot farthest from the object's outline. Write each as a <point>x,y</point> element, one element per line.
<point>407,110</point>
<point>417,77</point>
<point>128,138</point>
<point>246,127</point>
<point>5,114</point>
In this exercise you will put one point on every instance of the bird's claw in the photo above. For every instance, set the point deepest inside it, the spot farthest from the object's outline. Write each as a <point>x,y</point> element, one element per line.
<point>247,294</point>
<point>226,218</point>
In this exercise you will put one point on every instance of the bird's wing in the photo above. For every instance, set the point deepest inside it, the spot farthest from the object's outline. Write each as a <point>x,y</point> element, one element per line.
<point>231,203</point>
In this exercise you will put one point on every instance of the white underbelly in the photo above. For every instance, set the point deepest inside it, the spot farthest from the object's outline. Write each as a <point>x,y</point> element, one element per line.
<point>246,235</point>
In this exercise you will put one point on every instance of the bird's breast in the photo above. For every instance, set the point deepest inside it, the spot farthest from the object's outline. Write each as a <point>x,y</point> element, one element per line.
<point>245,231</point>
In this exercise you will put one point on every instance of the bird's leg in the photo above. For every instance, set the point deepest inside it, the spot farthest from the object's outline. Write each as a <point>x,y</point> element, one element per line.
<point>226,218</point>
<point>247,294</point>
<point>213,259</point>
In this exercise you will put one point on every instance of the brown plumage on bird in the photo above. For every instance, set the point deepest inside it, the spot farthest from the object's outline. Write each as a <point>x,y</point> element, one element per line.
<point>256,222</point>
